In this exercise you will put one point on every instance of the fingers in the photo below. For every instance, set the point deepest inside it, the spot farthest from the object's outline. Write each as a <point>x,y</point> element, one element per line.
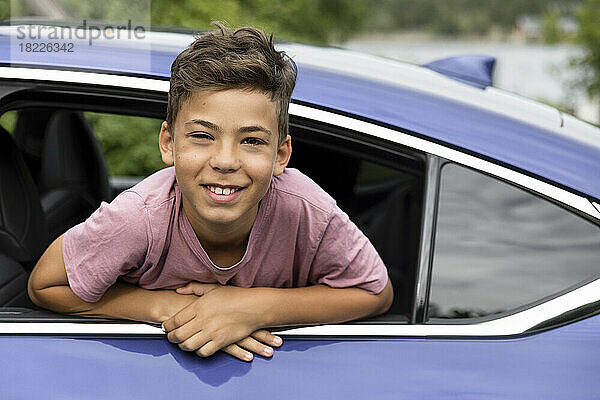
<point>255,346</point>
<point>181,318</point>
<point>197,288</point>
<point>208,349</point>
<point>203,346</point>
<point>267,337</point>
<point>244,348</point>
<point>194,343</point>
<point>238,352</point>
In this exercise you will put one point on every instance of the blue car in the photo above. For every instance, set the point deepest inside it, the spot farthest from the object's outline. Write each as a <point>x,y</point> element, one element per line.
<point>485,207</point>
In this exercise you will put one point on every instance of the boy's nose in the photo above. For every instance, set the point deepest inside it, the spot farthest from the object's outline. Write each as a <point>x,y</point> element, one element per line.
<point>225,160</point>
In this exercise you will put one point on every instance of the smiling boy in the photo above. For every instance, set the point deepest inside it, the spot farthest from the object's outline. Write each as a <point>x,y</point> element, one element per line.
<point>246,242</point>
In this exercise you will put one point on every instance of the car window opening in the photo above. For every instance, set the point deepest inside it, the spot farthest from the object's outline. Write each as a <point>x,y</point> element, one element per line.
<point>381,192</point>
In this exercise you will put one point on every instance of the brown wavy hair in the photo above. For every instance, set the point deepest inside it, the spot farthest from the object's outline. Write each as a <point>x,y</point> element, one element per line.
<point>224,59</point>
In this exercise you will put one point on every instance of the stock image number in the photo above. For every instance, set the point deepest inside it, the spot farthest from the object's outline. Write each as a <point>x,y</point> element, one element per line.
<point>46,47</point>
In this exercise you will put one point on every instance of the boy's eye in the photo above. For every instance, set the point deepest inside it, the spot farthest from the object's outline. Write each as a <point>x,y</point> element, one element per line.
<point>200,135</point>
<point>253,141</point>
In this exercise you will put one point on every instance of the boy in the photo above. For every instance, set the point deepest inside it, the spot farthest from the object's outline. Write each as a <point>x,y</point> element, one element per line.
<point>269,246</point>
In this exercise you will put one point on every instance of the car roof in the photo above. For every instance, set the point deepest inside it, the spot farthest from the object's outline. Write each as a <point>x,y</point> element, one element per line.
<point>515,131</point>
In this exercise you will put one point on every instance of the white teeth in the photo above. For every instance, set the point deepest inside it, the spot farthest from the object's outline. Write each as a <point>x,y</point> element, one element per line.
<point>221,191</point>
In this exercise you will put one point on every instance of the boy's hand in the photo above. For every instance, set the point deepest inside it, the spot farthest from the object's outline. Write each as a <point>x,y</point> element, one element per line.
<point>223,318</point>
<point>225,314</point>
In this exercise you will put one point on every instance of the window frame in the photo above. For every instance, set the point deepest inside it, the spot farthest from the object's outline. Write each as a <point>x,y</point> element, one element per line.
<point>577,303</point>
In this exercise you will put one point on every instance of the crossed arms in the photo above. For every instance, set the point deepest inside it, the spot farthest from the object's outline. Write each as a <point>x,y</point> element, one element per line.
<point>206,318</point>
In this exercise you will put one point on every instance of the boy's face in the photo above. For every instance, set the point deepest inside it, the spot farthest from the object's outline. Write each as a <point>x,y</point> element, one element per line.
<point>225,149</point>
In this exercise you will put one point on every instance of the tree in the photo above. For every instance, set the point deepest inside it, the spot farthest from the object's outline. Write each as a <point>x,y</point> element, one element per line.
<point>589,38</point>
<point>312,21</point>
<point>4,9</point>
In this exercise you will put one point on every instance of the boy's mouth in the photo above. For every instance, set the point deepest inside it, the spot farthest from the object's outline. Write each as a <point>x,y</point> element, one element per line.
<point>223,190</point>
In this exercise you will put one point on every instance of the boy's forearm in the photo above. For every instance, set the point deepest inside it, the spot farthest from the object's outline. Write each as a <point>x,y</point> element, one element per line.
<point>321,304</point>
<point>122,301</point>
<point>49,288</point>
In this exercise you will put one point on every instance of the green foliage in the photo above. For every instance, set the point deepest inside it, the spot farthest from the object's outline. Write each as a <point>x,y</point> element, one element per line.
<point>550,28</point>
<point>130,144</point>
<point>311,21</point>
<point>8,120</point>
<point>77,10</point>
<point>4,9</point>
<point>589,38</point>
<point>459,16</point>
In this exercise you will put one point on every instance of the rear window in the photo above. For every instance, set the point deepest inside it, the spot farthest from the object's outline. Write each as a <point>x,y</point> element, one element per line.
<point>499,247</point>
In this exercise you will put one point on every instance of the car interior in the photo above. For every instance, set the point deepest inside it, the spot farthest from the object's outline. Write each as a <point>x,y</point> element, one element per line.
<point>53,175</point>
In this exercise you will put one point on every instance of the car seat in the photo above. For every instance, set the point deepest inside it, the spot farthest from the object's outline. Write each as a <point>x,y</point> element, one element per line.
<point>73,178</point>
<point>29,136</point>
<point>23,234</point>
<point>392,222</point>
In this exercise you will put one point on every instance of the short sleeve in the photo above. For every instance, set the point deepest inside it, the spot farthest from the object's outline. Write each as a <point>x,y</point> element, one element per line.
<point>110,243</point>
<point>346,258</point>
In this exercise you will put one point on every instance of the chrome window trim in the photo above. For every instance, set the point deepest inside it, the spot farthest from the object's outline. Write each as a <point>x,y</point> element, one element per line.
<point>510,325</point>
<point>93,78</point>
<point>514,324</point>
<point>428,222</point>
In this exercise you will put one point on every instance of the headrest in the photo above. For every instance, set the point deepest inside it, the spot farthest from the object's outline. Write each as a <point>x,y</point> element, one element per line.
<point>30,129</point>
<point>23,233</point>
<point>72,156</point>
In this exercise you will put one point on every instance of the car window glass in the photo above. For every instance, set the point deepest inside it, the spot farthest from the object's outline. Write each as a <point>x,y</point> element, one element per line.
<point>498,247</point>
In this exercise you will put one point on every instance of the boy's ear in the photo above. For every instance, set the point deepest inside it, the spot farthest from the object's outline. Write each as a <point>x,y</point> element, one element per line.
<point>165,143</point>
<point>284,152</point>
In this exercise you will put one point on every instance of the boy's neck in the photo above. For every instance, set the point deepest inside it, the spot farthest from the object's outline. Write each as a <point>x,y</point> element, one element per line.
<point>222,237</point>
<point>222,240</point>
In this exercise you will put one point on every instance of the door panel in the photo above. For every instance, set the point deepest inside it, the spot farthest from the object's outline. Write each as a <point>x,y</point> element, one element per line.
<point>558,364</point>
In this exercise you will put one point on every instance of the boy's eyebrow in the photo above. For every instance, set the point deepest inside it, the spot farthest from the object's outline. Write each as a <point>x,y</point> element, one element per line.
<point>206,124</point>
<point>254,128</point>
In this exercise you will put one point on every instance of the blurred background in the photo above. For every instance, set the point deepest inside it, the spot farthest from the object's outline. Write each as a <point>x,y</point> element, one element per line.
<point>548,50</point>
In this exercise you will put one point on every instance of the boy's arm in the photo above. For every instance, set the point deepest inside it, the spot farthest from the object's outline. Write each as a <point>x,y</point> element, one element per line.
<point>224,314</point>
<point>49,287</point>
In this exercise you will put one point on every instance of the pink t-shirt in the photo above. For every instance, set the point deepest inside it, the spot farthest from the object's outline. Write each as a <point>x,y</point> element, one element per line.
<point>299,238</point>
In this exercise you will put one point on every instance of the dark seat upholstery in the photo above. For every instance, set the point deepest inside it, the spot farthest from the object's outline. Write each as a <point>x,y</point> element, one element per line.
<point>73,179</point>
<point>392,224</point>
<point>29,136</point>
<point>23,234</point>
<point>335,172</point>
